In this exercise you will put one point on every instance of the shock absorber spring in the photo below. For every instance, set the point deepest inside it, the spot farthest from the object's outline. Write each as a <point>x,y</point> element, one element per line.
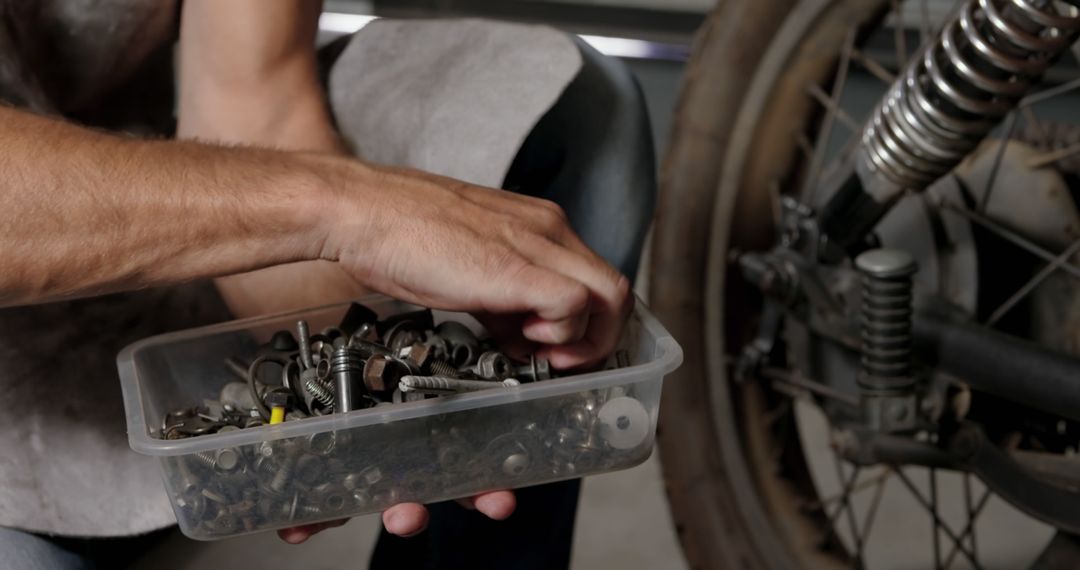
<point>885,378</point>
<point>982,63</point>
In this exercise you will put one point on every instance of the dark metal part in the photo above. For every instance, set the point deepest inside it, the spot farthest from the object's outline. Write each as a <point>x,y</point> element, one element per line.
<point>464,346</point>
<point>1000,364</point>
<point>865,447</point>
<point>1009,480</point>
<point>283,341</point>
<point>346,366</point>
<point>356,316</point>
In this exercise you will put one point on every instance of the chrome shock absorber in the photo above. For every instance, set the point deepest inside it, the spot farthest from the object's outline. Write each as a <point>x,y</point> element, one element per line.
<point>982,63</point>
<point>885,380</point>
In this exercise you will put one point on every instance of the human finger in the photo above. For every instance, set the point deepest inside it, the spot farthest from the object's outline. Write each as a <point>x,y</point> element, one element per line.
<point>406,519</point>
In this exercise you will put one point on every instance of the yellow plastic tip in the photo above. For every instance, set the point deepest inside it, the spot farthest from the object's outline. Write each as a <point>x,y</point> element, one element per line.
<point>277,415</point>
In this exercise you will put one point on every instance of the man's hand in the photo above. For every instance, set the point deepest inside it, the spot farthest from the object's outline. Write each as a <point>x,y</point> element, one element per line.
<point>410,519</point>
<point>449,245</point>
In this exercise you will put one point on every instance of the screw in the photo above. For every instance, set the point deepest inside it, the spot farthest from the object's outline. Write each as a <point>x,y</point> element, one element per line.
<point>440,368</point>
<point>224,460</point>
<point>444,385</point>
<point>537,369</point>
<point>305,344</point>
<point>515,464</point>
<point>284,474</point>
<point>494,366</point>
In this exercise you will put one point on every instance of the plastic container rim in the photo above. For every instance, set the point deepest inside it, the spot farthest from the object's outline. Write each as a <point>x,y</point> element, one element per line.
<point>668,357</point>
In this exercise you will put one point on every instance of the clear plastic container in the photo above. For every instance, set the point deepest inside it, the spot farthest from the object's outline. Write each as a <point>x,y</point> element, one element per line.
<point>340,465</point>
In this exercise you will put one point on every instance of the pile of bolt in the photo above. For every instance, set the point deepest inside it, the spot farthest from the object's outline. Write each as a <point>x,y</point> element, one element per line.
<point>360,363</point>
<point>328,475</point>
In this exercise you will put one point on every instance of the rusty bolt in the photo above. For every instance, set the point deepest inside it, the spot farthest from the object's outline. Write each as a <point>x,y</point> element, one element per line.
<point>382,373</point>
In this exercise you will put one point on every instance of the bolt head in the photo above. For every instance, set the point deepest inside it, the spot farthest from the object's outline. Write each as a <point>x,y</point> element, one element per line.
<point>494,366</point>
<point>382,374</point>
<point>278,398</point>
<point>283,341</point>
<point>515,464</point>
<point>420,355</point>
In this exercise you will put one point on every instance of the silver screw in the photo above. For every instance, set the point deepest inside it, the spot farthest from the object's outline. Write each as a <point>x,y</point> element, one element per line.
<point>444,385</point>
<point>537,369</point>
<point>494,366</point>
<point>305,344</point>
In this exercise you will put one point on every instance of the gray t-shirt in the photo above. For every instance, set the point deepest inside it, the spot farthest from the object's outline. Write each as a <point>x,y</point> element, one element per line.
<point>66,466</point>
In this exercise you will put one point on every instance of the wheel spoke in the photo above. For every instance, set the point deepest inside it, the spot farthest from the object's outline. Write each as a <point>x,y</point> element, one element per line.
<point>849,509</point>
<point>822,146</point>
<point>1010,126</point>
<point>969,528</point>
<point>822,97</point>
<point>934,518</point>
<point>971,515</point>
<point>821,504</point>
<point>794,379</point>
<point>1053,156</point>
<point>872,66</point>
<point>898,34</point>
<point>1032,119</point>
<point>1033,283</point>
<point>926,30</point>
<point>845,494</point>
<point>1006,234</point>
<point>871,512</point>
<point>1047,94</point>
<point>933,513</point>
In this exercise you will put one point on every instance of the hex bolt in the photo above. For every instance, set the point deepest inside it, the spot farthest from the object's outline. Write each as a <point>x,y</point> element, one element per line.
<point>444,385</point>
<point>381,375</point>
<point>305,344</point>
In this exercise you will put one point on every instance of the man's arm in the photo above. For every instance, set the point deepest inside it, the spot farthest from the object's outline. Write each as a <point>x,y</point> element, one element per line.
<point>86,212</point>
<point>83,212</point>
<point>257,84</point>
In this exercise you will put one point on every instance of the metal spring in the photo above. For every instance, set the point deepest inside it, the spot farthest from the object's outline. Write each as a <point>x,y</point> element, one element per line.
<point>885,320</point>
<point>321,390</point>
<point>950,97</point>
